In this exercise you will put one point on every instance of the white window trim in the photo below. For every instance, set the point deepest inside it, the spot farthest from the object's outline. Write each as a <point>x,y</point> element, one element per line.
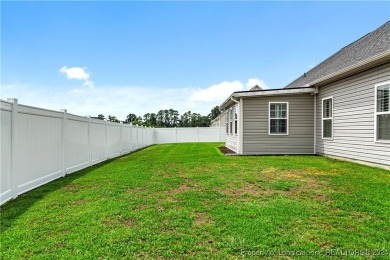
<point>322,118</point>
<point>227,121</point>
<point>231,121</point>
<point>269,117</point>
<point>229,111</point>
<point>378,113</point>
<point>235,119</point>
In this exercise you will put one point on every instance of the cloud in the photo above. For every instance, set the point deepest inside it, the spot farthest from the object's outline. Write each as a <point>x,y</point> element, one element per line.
<point>254,81</point>
<point>217,92</point>
<point>77,73</point>
<point>122,100</point>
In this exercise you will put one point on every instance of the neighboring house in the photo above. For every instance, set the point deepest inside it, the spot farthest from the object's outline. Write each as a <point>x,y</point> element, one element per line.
<point>339,108</point>
<point>219,121</point>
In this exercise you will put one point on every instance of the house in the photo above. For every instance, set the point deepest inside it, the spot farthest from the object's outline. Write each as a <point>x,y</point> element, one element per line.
<point>339,108</point>
<point>219,121</point>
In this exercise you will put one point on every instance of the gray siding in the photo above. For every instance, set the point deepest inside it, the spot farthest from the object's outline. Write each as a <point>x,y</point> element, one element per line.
<point>300,140</point>
<point>353,118</point>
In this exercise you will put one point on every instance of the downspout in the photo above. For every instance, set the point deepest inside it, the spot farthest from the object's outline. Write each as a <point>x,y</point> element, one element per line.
<point>241,126</point>
<point>315,118</point>
<point>239,140</point>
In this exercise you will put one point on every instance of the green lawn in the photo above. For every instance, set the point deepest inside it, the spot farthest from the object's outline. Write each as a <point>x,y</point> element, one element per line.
<point>190,201</point>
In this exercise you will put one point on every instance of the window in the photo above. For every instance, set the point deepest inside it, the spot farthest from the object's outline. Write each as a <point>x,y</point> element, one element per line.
<point>327,118</point>
<point>278,118</point>
<point>227,121</point>
<point>235,121</point>
<point>382,111</point>
<point>231,121</point>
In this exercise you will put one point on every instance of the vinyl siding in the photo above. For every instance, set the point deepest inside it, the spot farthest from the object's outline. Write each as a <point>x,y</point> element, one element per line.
<point>300,139</point>
<point>353,118</point>
<point>231,142</point>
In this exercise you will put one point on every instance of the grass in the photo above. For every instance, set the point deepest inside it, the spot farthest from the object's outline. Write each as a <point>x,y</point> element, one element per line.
<point>190,201</point>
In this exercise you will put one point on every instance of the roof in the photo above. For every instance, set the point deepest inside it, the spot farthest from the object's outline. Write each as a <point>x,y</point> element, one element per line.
<point>256,87</point>
<point>265,92</point>
<point>218,117</point>
<point>366,48</point>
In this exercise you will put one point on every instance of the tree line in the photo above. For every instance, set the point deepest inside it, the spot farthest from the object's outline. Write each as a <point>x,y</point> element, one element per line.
<point>167,118</point>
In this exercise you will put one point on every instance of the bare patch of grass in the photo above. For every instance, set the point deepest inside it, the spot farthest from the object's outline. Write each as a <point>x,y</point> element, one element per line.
<point>81,202</point>
<point>181,189</point>
<point>135,190</point>
<point>72,187</point>
<point>141,207</point>
<point>203,219</point>
<point>129,222</point>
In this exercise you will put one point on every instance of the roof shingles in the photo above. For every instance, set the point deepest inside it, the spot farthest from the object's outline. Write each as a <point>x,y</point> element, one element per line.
<point>370,45</point>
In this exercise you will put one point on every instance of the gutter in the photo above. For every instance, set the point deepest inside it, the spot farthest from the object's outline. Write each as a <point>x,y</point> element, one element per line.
<point>232,98</point>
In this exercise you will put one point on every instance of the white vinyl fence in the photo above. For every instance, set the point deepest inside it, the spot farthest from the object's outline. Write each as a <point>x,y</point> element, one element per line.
<point>189,134</point>
<point>40,145</point>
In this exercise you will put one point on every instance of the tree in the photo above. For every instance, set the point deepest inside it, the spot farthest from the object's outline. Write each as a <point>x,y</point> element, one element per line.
<point>204,121</point>
<point>150,119</point>
<point>166,118</point>
<point>160,118</point>
<point>173,116</point>
<point>130,118</point>
<point>185,119</point>
<point>195,119</point>
<point>153,119</point>
<point>100,117</point>
<point>113,119</point>
<point>216,111</point>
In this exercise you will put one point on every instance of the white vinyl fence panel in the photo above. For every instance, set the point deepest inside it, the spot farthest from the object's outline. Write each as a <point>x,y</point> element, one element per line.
<point>76,145</point>
<point>40,145</point>
<point>98,140</point>
<point>5,178</point>
<point>165,135</point>
<point>189,135</point>
<point>113,139</point>
<point>211,134</point>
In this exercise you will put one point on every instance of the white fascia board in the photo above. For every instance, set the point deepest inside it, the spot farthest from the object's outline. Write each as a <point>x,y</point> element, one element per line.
<point>283,91</point>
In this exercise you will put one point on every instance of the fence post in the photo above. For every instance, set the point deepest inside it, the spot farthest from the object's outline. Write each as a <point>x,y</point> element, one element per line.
<point>105,124</point>
<point>89,142</point>
<point>131,137</point>
<point>175,134</point>
<point>121,139</point>
<point>14,145</point>
<point>153,135</point>
<point>197,134</point>
<point>149,137</point>
<point>64,133</point>
<point>136,137</point>
<point>143,136</point>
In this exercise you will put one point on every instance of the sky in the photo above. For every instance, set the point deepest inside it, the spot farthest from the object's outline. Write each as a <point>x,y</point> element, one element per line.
<point>116,58</point>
